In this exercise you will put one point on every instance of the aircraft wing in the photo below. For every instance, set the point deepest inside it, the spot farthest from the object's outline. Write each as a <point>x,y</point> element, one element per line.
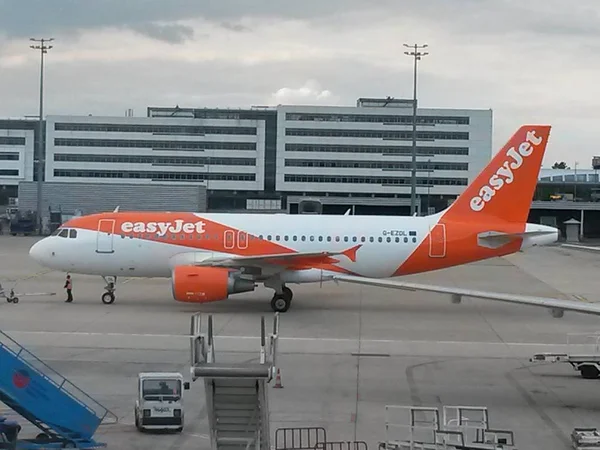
<point>291,259</point>
<point>557,306</point>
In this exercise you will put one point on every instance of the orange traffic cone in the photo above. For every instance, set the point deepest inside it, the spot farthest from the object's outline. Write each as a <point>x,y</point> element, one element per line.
<point>278,384</point>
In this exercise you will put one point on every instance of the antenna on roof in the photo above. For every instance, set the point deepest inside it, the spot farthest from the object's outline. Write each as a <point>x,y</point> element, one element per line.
<point>117,209</point>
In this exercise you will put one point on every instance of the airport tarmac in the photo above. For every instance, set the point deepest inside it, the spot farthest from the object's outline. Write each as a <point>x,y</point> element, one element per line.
<point>345,351</point>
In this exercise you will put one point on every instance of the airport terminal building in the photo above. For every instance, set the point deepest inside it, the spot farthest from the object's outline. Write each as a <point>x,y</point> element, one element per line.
<point>269,158</point>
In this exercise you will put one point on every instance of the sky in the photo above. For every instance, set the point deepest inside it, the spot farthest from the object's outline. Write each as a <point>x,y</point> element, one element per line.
<point>530,61</point>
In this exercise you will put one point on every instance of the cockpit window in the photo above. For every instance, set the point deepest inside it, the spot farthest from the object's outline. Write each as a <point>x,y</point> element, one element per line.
<point>72,233</point>
<point>64,233</point>
<point>56,232</point>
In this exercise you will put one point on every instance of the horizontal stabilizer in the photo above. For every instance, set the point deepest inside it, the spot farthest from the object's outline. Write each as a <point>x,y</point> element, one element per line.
<point>496,239</point>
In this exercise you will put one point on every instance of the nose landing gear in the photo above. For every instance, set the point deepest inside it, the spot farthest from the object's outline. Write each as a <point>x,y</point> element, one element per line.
<point>108,298</point>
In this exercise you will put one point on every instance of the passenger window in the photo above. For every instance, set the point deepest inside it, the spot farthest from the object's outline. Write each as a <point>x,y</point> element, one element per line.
<point>398,239</point>
<point>337,239</point>
<point>260,236</point>
<point>354,239</point>
<point>328,238</point>
<point>64,233</point>
<point>303,238</point>
<point>72,233</point>
<point>389,239</point>
<point>405,239</point>
<point>295,238</point>
<point>363,239</point>
<point>320,238</point>
<point>268,237</point>
<point>371,239</point>
<point>312,238</point>
<point>414,240</point>
<point>285,238</point>
<point>380,239</point>
<point>345,238</point>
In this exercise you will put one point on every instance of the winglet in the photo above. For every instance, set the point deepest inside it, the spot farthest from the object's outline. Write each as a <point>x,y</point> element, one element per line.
<point>351,252</point>
<point>504,189</point>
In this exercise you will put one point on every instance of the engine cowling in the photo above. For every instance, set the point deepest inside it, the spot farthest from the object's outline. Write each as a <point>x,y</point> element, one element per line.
<point>206,284</point>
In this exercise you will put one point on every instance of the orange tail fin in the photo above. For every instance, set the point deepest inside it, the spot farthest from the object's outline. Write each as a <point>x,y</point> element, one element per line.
<point>503,191</point>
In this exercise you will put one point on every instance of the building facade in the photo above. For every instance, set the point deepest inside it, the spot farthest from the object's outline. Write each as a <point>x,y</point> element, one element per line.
<point>365,152</point>
<point>17,146</point>
<point>269,158</point>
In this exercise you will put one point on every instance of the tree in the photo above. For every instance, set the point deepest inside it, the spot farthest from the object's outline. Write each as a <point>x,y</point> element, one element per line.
<point>560,165</point>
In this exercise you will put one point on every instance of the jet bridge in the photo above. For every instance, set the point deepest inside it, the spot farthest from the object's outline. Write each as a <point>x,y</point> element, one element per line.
<point>236,392</point>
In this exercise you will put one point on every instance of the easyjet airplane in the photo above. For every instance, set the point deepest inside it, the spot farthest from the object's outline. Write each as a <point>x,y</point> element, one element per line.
<point>211,256</point>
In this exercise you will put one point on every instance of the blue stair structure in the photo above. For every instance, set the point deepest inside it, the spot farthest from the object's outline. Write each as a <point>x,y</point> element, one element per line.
<point>65,415</point>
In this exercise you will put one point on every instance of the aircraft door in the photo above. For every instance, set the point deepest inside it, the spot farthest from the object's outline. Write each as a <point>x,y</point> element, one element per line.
<point>242,240</point>
<point>229,239</point>
<point>437,241</point>
<point>105,235</point>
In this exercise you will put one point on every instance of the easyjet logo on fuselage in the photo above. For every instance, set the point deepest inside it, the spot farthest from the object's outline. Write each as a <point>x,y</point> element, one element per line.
<point>506,173</point>
<point>162,228</point>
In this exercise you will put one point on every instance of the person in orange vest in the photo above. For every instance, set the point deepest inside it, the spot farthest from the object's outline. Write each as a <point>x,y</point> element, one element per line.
<point>69,288</point>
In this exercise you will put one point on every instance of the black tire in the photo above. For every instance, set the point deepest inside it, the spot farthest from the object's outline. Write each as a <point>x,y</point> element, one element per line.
<point>9,300</point>
<point>179,430</point>
<point>108,298</point>
<point>43,437</point>
<point>280,304</point>
<point>589,372</point>
<point>287,293</point>
<point>15,300</point>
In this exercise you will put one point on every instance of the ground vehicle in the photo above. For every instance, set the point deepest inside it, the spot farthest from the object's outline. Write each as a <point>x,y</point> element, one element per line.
<point>9,431</point>
<point>160,403</point>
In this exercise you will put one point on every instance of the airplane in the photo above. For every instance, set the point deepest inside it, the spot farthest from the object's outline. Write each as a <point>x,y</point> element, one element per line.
<point>210,256</point>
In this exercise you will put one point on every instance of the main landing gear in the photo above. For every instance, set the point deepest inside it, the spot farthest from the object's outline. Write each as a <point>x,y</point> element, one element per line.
<point>108,298</point>
<point>282,300</point>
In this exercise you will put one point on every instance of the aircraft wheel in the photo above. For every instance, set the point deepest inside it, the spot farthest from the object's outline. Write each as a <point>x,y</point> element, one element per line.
<point>15,300</point>
<point>9,300</point>
<point>280,303</point>
<point>589,372</point>
<point>108,298</point>
<point>287,293</point>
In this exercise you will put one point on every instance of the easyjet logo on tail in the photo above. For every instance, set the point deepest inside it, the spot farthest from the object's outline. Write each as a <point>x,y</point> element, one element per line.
<point>162,228</point>
<point>507,172</point>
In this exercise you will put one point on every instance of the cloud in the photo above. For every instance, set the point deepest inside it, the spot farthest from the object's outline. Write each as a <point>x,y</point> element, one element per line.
<point>171,33</point>
<point>308,94</point>
<point>533,61</point>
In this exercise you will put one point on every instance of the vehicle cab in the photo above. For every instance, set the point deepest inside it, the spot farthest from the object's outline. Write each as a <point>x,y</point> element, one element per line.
<point>159,405</point>
<point>9,432</point>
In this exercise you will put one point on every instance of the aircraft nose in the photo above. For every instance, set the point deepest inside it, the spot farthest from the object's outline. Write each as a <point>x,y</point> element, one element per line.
<point>36,252</point>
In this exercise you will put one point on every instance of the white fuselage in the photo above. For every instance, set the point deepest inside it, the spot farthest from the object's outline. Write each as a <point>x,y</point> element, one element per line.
<point>386,242</point>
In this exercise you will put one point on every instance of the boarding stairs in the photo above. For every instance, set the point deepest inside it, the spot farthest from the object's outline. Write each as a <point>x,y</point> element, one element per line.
<point>31,389</point>
<point>236,393</point>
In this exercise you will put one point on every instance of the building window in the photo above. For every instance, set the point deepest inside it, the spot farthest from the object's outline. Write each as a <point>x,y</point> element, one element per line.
<point>380,134</point>
<point>154,145</point>
<point>376,149</point>
<point>156,176</point>
<point>153,128</point>
<point>378,118</point>
<point>385,181</point>
<point>12,140</point>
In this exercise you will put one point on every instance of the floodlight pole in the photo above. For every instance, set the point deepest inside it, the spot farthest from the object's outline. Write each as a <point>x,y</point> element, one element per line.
<point>417,55</point>
<point>43,48</point>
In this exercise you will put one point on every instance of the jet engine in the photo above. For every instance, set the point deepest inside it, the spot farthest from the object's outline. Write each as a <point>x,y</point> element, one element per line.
<point>206,284</point>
